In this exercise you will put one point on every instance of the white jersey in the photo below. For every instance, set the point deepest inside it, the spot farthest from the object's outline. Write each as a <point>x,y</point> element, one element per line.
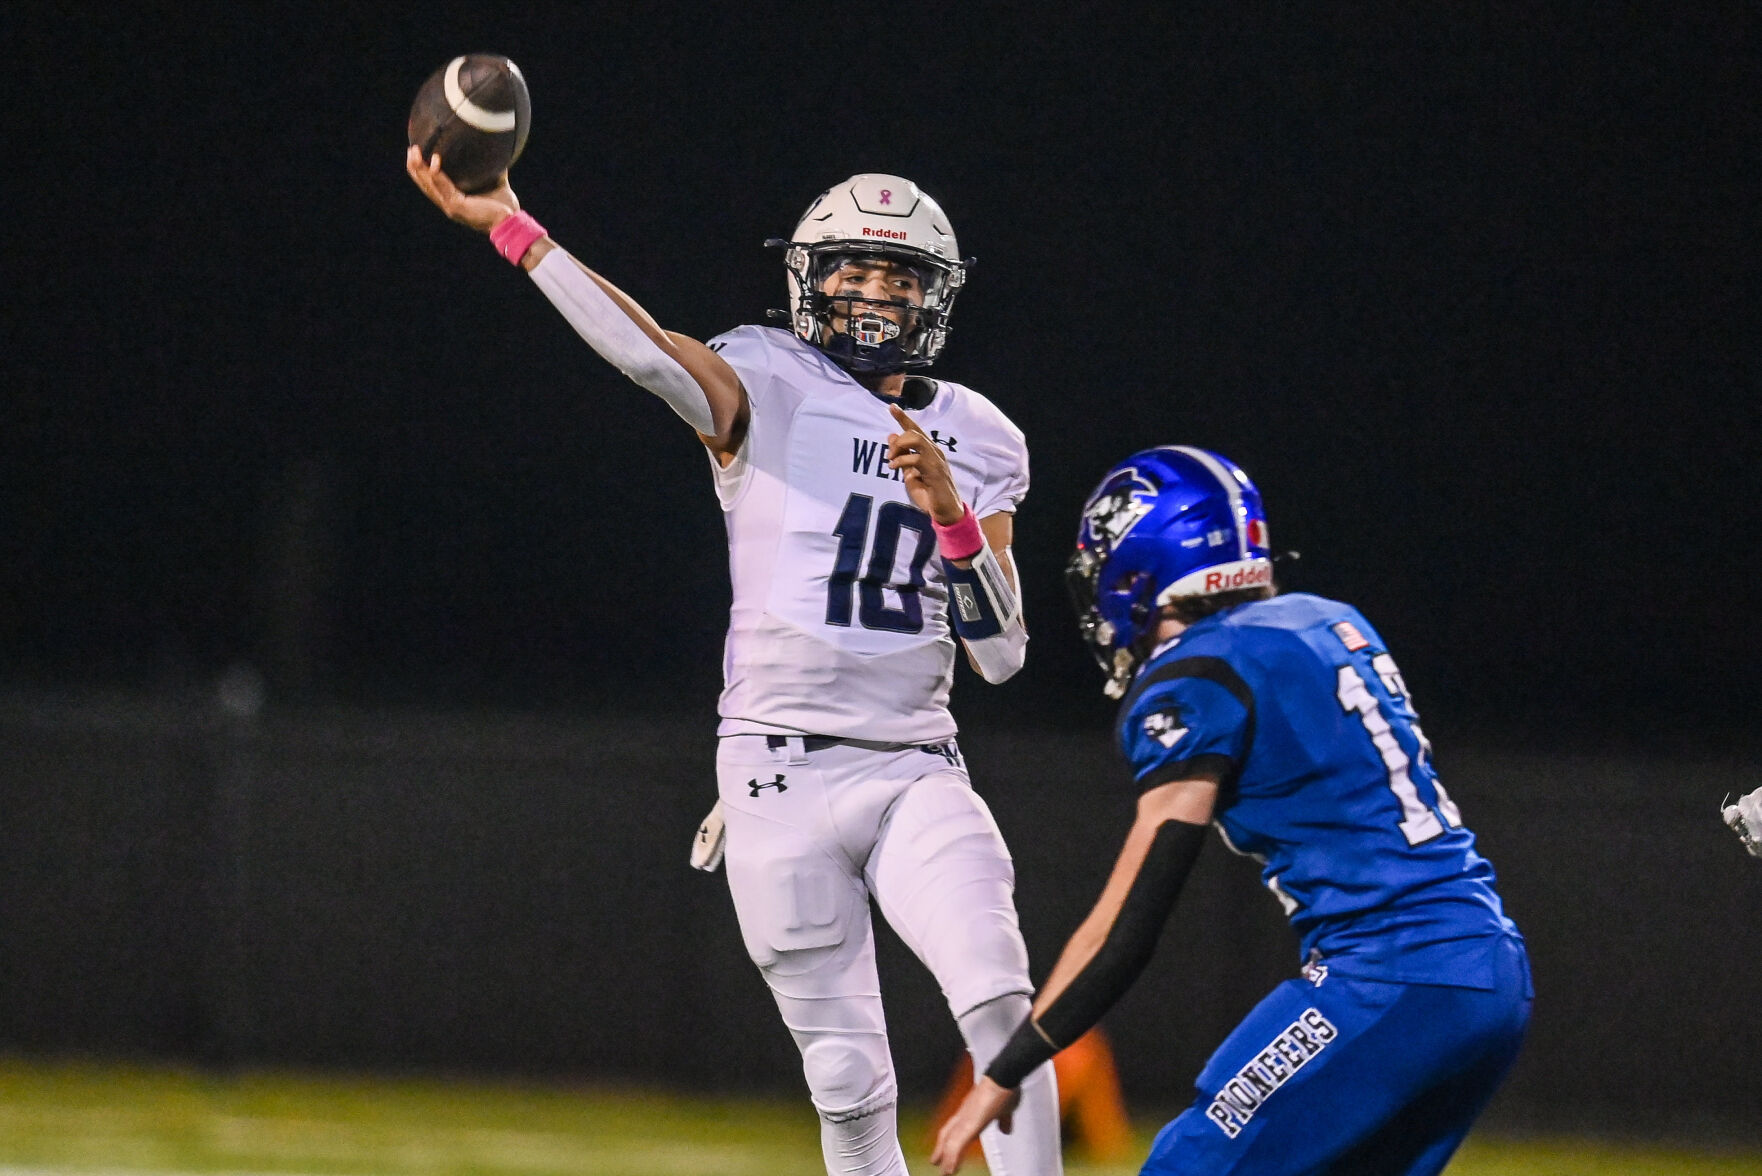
<point>839,624</point>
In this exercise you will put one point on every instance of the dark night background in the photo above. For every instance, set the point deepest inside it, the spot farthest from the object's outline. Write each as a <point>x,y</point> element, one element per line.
<point>1469,290</point>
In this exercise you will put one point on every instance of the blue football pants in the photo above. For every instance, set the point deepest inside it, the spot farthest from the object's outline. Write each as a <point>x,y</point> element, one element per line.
<point>1346,1076</point>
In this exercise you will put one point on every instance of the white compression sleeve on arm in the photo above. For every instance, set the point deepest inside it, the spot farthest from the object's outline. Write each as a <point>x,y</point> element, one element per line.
<point>618,338</point>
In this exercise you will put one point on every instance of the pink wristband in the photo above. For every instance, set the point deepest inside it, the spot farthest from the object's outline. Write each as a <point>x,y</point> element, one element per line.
<point>514,236</point>
<point>960,540</point>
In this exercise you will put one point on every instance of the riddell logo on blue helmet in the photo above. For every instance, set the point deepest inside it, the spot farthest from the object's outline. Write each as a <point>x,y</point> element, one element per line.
<point>1254,572</point>
<point>1221,580</point>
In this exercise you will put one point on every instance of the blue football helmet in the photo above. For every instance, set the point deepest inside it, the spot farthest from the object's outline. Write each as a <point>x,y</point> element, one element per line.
<point>1169,522</point>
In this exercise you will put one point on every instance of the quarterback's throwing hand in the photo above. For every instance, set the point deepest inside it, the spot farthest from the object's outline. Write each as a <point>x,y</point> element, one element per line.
<point>928,480</point>
<point>1745,819</point>
<point>483,212</point>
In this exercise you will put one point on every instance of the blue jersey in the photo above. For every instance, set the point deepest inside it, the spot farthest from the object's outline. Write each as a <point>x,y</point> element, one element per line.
<point>1295,706</point>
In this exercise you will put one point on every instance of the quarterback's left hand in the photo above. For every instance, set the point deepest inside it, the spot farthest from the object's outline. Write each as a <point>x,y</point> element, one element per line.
<point>985,1102</point>
<point>928,480</point>
<point>1745,819</point>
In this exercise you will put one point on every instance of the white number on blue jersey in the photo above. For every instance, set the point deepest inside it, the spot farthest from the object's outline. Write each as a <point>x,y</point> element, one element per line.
<point>1396,685</point>
<point>1386,669</point>
<point>1418,822</point>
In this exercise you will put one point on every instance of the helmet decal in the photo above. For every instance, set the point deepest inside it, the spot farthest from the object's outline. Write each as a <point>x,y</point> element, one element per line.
<point>1227,478</point>
<point>1112,514</point>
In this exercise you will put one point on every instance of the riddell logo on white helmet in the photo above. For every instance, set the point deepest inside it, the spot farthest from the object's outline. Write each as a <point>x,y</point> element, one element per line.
<point>890,234</point>
<point>1230,577</point>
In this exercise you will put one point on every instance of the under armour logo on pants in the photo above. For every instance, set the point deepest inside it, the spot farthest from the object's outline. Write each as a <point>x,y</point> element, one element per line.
<point>778,784</point>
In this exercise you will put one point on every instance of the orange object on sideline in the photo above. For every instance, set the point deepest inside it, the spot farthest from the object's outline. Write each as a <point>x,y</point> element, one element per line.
<point>1090,1105</point>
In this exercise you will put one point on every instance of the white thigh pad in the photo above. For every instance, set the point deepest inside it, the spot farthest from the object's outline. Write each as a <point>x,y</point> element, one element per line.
<point>799,913</point>
<point>802,905</point>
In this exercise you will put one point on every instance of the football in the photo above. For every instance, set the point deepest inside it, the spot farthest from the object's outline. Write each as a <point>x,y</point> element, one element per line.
<point>475,112</point>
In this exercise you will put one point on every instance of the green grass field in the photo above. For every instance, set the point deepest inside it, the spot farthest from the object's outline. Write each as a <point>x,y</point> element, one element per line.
<point>113,1121</point>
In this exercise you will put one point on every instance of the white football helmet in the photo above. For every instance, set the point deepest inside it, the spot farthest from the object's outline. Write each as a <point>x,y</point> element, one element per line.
<point>866,216</point>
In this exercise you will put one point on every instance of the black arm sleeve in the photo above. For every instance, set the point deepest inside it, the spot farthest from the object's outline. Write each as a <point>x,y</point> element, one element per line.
<point>1128,947</point>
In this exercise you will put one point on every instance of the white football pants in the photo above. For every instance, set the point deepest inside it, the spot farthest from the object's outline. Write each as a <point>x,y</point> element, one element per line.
<point>811,837</point>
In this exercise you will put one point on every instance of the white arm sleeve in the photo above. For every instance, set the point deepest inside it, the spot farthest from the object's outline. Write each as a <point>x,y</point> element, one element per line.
<point>619,339</point>
<point>999,656</point>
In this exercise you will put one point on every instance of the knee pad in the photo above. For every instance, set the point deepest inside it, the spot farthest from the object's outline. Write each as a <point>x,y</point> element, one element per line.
<point>848,1077</point>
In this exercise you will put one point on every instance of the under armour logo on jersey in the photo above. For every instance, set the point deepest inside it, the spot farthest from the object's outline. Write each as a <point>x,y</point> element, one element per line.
<point>948,441</point>
<point>1165,727</point>
<point>778,784</point>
